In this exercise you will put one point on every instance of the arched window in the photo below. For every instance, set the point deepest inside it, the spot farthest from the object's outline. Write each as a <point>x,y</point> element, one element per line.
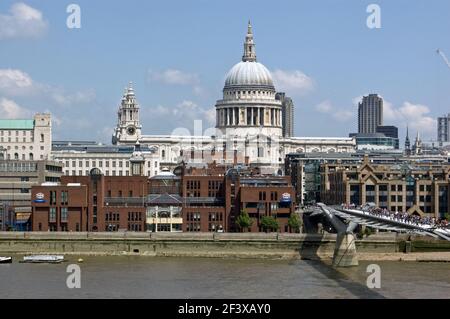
<point>163,154</point>
<point>16,156</point>
<point>42,137</point>
<point>31,156</point>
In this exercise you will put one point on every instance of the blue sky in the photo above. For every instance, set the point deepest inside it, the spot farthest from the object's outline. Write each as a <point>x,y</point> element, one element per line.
<point>321,53</point>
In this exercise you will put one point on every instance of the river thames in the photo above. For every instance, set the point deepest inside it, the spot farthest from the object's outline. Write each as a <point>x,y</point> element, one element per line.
<point>159,277</point>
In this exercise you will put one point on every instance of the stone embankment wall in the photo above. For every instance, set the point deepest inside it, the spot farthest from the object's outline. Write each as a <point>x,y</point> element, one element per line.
<point>238,245</point>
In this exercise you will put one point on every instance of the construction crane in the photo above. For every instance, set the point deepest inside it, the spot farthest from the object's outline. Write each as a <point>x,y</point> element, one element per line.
<point>439,51</point>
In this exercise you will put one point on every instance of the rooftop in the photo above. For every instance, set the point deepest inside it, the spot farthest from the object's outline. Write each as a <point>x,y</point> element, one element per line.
<point>16,124</point>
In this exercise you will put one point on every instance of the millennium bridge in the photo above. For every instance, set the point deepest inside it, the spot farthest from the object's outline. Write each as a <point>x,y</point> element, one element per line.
<point>345,221</point>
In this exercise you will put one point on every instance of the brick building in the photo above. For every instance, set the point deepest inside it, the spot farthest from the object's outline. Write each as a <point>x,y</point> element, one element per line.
<point>106,203</point>
<point>197,199</point>
<point>213,197</point>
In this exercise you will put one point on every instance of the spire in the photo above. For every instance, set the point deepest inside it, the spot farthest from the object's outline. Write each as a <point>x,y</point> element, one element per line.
<point>249,46</point>
<point>130,90</point>
<point>407,142</point>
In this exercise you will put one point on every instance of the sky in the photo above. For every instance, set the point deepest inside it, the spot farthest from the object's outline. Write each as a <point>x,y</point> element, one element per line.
<point>177,53</point>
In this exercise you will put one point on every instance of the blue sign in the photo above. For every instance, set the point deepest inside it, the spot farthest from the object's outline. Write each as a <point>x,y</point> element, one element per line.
<point>40,198</point>
<point>286,198</point>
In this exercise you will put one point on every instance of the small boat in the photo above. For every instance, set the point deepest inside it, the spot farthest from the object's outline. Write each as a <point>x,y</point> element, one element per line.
<point>43,259</point>
<point>5,260</point>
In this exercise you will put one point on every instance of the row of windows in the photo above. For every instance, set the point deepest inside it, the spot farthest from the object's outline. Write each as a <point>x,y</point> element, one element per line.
<point>134,216</point>
<point>101,163</point>
<point>193,227</point>
<point>16,140</point>
<point>64,198</point>
<point>17,156</point>
<point>240,93</point>
<point>193,184</point>
<point>120,194</point>
<point>107,173</point>
<point>9,133</point>
<point>52,215</point>
<point>193,217</point>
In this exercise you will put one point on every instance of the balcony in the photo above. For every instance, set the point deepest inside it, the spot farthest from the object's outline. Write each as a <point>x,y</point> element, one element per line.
<point>125,201</point>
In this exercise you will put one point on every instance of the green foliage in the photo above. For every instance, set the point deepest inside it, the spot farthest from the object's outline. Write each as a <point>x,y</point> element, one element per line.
<point>368,231</point>
<point>269,223</point>
<point>243,220</point>
<point>295,223</point>
<point>447,216</point>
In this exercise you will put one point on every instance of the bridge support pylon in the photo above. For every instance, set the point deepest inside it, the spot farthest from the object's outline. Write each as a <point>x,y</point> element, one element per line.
<point>345,250</point>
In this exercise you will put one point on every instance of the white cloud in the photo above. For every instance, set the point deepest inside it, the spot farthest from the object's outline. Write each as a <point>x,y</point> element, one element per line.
<point>174,77</point>
<point>416,116</point>
<point>11,110</point>
<point>181,115</point>
<point>22,21</point>
<point>62,98</point>
<point>178,77</point>
<point>324,107</point>
<point>294,82</point>
<point>341,115</point>
<point>15,82</point>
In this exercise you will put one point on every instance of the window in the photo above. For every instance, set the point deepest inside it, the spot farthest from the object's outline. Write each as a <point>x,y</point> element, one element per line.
<point>52,197</point>
<point>64,215</point>
<point>42,138</point>
<point>64,198</point>
<point>163,154</point>
<point>52,215</point>
<point>16,156</point>
<point>74,163</point>
<point>130,194</point>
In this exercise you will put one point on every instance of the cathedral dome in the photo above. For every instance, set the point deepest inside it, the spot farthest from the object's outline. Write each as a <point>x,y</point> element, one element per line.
<point>249,73</point>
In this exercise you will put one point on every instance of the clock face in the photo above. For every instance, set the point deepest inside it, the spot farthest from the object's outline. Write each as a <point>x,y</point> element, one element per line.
<point>131,130</point>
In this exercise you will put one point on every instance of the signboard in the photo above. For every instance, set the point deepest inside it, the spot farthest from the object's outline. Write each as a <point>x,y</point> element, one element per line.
<point>40,198</point>
<point>286,198</point>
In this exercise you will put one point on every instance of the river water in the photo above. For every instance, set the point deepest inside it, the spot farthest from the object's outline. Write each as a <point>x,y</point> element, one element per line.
<point>155,277</point>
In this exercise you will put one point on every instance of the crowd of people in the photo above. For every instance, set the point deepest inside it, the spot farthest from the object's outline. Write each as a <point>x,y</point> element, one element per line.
<point>403,217</point>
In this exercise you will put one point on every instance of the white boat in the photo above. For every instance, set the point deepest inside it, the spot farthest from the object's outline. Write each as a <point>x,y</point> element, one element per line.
<point>43,259</point>
<point>5,260</point>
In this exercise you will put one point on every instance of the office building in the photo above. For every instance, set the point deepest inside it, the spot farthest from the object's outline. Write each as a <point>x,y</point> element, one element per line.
<point>370,114</point>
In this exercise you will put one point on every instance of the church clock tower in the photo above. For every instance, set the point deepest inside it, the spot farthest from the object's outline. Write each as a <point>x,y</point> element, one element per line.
<point>128,129</point>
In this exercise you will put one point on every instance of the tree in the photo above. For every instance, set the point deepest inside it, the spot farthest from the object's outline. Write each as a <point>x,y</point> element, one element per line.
<point>269,223</point>
<point>243,220</point>
<point>295,223</point>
